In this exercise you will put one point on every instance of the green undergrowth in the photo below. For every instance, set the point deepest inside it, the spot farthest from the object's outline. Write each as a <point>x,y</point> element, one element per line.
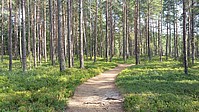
<point>44,89</point>
<point>160,87</point>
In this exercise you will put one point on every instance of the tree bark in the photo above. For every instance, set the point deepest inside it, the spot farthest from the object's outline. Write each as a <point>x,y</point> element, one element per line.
<point>69,34</point>
<point>95,32</point>
<point>38,33</point>
<point>111,32</point>
<point>29,28</point>
<point>148,32</point>
<point>184,39</point>
<point>174,31</point>
<point>177,53</point>
<point>23,36</point>
<point>107,45</point>
<point>10,35</point>
<point>51,33</point>
<point>160,35</point>
<point>60,40</point>
<point>189,32</point>
<point>170,35</point>
<point>2,30</point>
<point>124,32</point>
<point>81,34</point>
<point>16,36</point>
<point>34,36</point>
<point>44,32</point>
<point>136,32</point>
<point>55,30</point>
<point>192,35</point>
<point>85,37</point>
<point>20,32</point>
<point>167,39</point>
<point>91,38</point>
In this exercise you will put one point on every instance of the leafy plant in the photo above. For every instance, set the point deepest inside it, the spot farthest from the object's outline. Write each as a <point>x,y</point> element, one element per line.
<point>160,87</point>
<point>43,88</point>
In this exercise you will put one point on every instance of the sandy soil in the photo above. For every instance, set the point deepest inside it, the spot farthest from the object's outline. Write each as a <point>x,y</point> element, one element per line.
<point>98,94</point>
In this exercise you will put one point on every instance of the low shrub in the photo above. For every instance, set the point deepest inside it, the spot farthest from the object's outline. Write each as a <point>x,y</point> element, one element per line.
<point>43,89</point>
<point>160,87</point>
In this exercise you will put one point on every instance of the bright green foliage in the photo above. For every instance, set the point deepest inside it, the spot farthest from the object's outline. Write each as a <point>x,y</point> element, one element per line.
<point>160,87</point>
<point>45,88</point>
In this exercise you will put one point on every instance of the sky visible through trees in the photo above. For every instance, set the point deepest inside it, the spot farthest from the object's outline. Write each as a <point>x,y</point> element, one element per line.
<point>63,31</point>
<point>49,47</point>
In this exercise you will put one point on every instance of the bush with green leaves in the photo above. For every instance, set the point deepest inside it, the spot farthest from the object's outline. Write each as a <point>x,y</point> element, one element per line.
<point>160,87</point>
<point>45,88</point>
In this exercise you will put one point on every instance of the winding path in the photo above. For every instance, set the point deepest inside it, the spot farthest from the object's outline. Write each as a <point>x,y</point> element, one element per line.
<point>98,94</point>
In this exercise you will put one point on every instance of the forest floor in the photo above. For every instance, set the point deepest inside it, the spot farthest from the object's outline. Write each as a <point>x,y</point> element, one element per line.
<point>98,94</point>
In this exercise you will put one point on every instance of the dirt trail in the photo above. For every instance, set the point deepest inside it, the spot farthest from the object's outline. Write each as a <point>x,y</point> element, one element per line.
<point>98,94</point>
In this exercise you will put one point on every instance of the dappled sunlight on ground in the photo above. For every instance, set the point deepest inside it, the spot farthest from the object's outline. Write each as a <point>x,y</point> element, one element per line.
<point>160,86</point>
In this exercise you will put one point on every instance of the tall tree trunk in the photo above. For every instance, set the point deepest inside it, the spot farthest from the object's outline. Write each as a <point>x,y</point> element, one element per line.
<point>20,32</point>
<point>38,33</point>
<point>170,35</point>
<point>177,54</point>
<point>101,38</point>
<point>16,36</point>
<point>192,34</point>
<point>101,32</point>
<point>35,35</point>
<point>148,32</point>
<point>159,48</point>
<point>51,33</point>
<point>74,32</point>
<point>136,32</point>
<point>124,31</point>
<point>54,29</point>
<point>29,52</point>
<point>95,32</point>
<point>111,31</point>
<point>64,31</point>
<point>113,35</point>
<point>161,51</point>
<point>44,31</point>
<point>139,30</point>
<point>146,37</point>
<point>127,29</point>
<point>107,45</point>
<point>2,30</point>
<point>10,35</point>
<point>189,31</point>
<point>184,39</point>
<point>131,49</point>
<point>91,38</point>
<point>85,38</point>
<point>167,40</point>
<point>28,27</point>
<point>81,34</point>
<point>160,35</point>
<point>60,40</point>
<point>23,36</point>
<point>155,39</point>
<point>69,34</point>
<point>174,32</point>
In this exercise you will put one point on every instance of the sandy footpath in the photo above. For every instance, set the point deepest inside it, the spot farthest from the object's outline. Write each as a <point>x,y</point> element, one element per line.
<point>98,94</point>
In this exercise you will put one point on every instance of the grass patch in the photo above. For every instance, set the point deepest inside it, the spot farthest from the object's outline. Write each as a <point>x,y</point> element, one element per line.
<point>44,88</point>
<point>160,87</point>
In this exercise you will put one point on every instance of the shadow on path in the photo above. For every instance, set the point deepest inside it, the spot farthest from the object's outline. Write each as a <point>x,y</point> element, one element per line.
<point>98,94</point>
